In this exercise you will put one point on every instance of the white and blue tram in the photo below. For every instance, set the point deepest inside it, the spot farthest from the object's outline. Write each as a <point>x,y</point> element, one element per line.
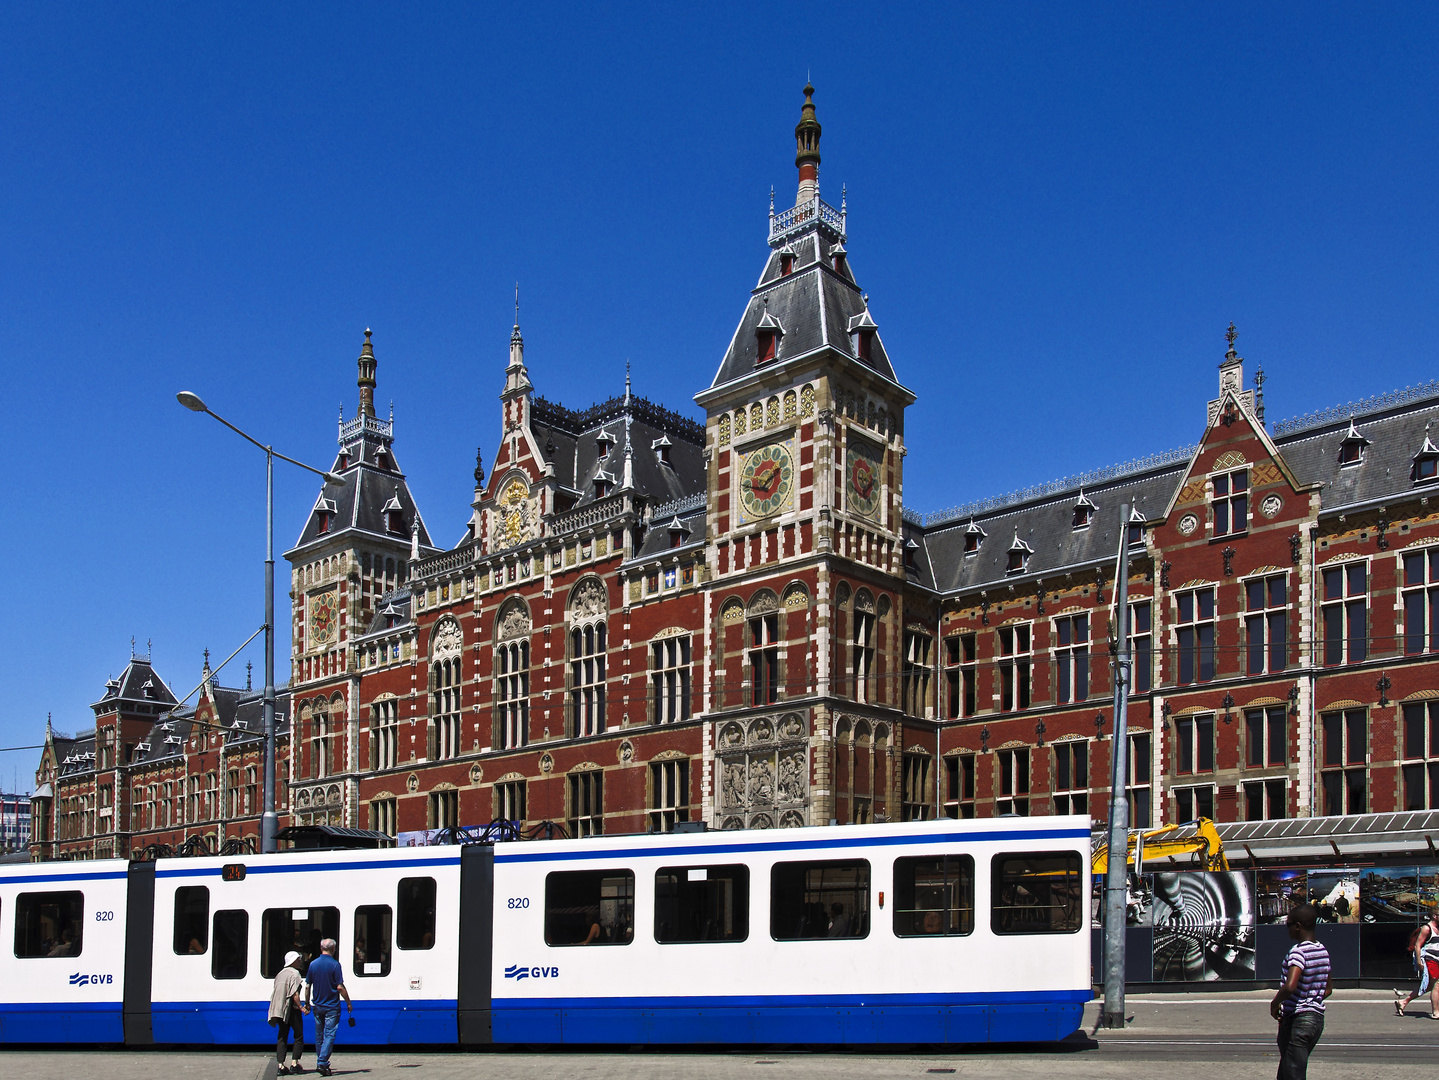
<point>922,932</point>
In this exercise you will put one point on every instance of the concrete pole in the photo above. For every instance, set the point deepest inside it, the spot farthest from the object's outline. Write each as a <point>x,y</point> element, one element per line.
<point>1116,877</point>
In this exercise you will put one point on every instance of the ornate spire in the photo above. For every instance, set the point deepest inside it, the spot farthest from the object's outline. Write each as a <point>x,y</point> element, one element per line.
<point>367,377</point>
<point>1231,357</point>
<point>479,467</point>
<point>806,158</point>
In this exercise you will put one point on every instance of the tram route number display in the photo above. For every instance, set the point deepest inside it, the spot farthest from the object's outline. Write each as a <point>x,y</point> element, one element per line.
<point>519,902</point>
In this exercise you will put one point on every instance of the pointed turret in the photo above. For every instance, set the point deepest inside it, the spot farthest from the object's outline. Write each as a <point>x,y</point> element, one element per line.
<point>806,158</point>
<point>367,377</point>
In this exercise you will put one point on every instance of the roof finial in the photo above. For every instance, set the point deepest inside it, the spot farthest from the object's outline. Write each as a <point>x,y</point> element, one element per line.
<point>1259,380</point>
<point>249,670</point>
<point>627,382</point>
<point>1231,335</point>
<point>517,303</point>
<point>366,380</point>
<point>479,467</point>
<point>806,137</point>
<point>132,646</point>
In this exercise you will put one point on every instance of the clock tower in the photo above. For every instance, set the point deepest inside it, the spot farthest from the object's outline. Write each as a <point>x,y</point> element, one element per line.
<point>805,432</point>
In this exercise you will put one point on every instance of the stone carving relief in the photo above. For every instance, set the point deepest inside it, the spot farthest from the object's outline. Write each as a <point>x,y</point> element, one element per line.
<point>1187,524</point>
<point>763,767</point>
<point>513,622</point>
<point>447,641</point>
<point>1271,506</point>
<point>589,600</point>
<point>547,763</point>
<point>763,602</point>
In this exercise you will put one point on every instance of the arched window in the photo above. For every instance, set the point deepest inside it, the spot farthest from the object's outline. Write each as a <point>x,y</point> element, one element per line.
<point>445,691</point>
<point>589,613</point>
<point>512,677</point>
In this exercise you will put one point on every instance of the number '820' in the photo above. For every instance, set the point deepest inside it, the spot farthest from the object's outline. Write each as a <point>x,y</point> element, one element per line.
<point>519,902</point>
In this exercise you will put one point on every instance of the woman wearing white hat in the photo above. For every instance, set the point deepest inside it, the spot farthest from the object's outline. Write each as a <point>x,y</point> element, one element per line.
<point>287,1013</point>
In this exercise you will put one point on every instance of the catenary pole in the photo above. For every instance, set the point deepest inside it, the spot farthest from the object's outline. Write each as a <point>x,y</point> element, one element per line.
<point>1117,875</point>
<point>269,820</point>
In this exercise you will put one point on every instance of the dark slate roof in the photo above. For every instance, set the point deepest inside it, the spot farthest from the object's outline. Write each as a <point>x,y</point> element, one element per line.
<point>1394,435</point>
<point>138,683</point>
<point>814,304</point>
<point>372,478</point>
<point>570,441</point>
<point>166,739</point>
<point>80,758</point>
<point>244,723</point>
<point>657,536</point>
<point>396,601</point>
<point>1047,526</point>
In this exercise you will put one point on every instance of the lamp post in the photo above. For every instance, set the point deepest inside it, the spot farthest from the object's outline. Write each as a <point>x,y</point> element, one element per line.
<point>268,819</point>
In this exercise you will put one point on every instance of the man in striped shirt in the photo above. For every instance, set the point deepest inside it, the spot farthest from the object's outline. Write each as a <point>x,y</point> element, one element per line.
<point>1299,1004</point>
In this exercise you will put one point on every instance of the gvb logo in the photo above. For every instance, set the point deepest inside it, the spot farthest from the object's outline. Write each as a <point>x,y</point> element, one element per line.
<point>520,971</point>
<point>91,980</point>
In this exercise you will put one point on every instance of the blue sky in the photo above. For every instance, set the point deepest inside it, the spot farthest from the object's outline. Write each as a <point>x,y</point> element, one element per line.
<point>1056,210</point>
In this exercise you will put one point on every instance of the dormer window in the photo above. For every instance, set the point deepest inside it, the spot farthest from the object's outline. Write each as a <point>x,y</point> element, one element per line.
<point>395,514</point>
<point>382,459</point>
<point>786,262</point>
<point>862,329</point>
<point>1083,512</point>
<point>911,553</point>
<point>1351,450</point>
<point>661,447</point>
<point>839,259</point>
<point>1019,553</point>
<point>604,443</point>
<point>342,462</point>
<point>679,532</point>
<point>324,515</point>
<point>1426,463</point>
<point>767,337</point>
<point>1136,528</point>
<point>973,537</point>
<point>604,484</point>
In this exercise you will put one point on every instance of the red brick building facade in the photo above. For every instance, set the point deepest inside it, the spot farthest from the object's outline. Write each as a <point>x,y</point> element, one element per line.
<point>652,620</point>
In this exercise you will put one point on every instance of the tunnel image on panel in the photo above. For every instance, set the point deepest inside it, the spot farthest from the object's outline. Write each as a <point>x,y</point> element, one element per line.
<point>1203,926</point>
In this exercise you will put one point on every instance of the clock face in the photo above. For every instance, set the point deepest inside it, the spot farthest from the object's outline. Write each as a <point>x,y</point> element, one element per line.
<point>862,482</point>
<point>766,481</point>
<point>324,616</point>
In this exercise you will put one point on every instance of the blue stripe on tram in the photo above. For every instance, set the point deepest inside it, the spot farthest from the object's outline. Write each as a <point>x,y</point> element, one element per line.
<point>849,1019</point>
<point>61,1022</point>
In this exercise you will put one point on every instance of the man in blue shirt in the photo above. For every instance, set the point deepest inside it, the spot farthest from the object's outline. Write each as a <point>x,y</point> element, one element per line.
<point>324,987</point>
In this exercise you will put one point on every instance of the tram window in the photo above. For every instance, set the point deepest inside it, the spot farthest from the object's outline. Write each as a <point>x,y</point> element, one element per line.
<point>301,929</point>
<point>415,927</point>
<point>1037,893</point>
<point>192,920</point>
<point>934,896</point>
<point>372,940</point>
<point>230,958</point>
<point>701,903</point>
<point>819,900</point>
<point>590,907</point>
<point>49,924</point>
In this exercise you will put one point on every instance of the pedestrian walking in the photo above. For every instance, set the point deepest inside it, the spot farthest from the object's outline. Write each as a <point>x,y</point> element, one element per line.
<point>1299,1004</point>
<point>287,1014</point>
<point>1424,944</point>
<point>324,987</point>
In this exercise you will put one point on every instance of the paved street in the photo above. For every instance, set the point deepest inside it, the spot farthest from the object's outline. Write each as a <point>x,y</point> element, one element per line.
<point>1182,1035</point>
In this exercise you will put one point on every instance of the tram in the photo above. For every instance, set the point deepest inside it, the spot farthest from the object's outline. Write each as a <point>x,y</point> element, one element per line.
<point>920,932</point>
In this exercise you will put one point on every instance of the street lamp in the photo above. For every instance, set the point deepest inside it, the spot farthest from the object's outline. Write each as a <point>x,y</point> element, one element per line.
<point>268,819</point>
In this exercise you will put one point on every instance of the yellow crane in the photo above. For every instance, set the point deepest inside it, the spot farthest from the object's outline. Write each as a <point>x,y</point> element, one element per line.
<point>1198,838</point>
